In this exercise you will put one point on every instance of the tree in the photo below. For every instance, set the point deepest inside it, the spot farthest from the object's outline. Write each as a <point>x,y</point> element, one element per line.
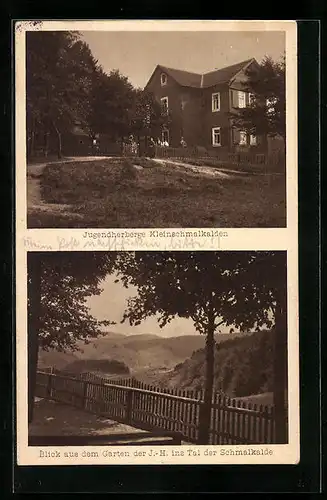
<point>245,289</point>
<point>113,99</point>
<point>147,117</point>
<point>266,113</point>
<point>186,284</point>
<point>60,70</point>
<point>58,285</point>
<point>257,298</point>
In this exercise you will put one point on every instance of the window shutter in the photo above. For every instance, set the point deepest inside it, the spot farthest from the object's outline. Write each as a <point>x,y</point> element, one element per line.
<point>235,98</point>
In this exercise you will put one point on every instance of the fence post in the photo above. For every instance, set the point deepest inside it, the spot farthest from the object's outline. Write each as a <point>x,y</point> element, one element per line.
<point>129,406</point>
<point>84,401</point>
<point>49,386</point>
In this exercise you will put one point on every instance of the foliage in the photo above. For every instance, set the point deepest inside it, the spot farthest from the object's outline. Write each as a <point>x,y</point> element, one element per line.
<point>65,281</point>
<point>65,87</point>
<point>241,287</point>
<point>243,366</point>
<point>246,289</point>
<point>267,112</point>
<point>257,286</point>
<point>60,70</point>
<point>112,102</point>
<point>147,117</point>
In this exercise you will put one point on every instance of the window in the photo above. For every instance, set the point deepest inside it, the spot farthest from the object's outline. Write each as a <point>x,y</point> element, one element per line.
<point>253,140</point>
<point>164,105</point>
<point>216,139</point>
<point>165,136</point>
<point>241,99</point>
<point>163,79</point>
<point>243,140</point>
<point>216,102</point>
<point>251,99</point>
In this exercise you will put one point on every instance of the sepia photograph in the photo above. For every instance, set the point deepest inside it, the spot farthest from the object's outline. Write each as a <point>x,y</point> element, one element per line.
<point>157,348</point>
<point>156,129</point>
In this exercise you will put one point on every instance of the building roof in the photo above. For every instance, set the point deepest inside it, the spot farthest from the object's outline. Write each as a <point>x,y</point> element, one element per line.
<point>184,78</point>
<point>205,80</point>
<point>224,75</point>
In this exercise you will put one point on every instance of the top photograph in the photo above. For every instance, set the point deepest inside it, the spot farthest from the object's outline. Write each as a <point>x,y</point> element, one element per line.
<point>155,129</point>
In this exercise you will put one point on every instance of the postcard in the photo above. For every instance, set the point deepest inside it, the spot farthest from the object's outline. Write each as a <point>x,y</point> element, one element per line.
<point>156,242</point>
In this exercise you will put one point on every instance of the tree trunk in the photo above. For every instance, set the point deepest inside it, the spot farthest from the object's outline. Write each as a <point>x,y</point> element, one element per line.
<point>146,141</point>
<point>59,150</point>
<point>280,374</point>
<point>138,146</point>
<point>46,139</point>
<point>34,296</point>
<point>31,138</point>
<point>205,409</point>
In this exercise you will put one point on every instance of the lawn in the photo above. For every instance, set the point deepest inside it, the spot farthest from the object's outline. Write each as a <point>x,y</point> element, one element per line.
<point>115,193</point>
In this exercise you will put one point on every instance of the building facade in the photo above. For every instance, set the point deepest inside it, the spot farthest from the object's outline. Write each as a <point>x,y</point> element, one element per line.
<point>199,107</point>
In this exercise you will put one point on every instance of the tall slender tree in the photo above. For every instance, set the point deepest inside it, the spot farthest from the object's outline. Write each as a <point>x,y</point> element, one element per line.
<point>244,289</point>
<point>59,284</point>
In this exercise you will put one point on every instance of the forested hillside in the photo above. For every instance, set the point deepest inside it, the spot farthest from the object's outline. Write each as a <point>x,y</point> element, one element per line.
<point>243,366</point>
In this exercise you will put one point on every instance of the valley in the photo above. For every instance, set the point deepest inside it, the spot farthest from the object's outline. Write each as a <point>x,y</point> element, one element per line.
<point>243,361</point>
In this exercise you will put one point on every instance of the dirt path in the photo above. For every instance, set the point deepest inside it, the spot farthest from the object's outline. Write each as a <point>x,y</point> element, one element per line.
<point>51,418</point>
<point>56,419</point>
<point>210,171</point>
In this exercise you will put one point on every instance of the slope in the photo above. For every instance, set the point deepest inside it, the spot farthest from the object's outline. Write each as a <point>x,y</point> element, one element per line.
<point>243,366</point>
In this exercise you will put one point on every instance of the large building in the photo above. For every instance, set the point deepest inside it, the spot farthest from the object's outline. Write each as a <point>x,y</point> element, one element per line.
<point>200,105</point>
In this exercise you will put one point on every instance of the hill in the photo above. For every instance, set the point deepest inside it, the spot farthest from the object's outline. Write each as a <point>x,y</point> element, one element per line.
<point>108,366</point>
<point>243,366</point>
<point>139,352</point>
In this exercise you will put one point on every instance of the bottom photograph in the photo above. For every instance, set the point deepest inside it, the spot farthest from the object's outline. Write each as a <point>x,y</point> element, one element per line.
<point>157,348</point>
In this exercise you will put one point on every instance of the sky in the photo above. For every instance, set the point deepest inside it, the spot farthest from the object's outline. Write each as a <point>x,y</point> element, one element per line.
<point>136,54</point>
<point>112,303</point>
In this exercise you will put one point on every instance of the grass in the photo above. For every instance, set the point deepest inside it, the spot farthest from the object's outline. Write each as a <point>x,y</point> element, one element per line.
<point>114,193</point>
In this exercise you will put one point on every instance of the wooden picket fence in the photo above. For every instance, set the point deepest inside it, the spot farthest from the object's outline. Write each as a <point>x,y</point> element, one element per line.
<point>274,160</point>
<point>129,401</point>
